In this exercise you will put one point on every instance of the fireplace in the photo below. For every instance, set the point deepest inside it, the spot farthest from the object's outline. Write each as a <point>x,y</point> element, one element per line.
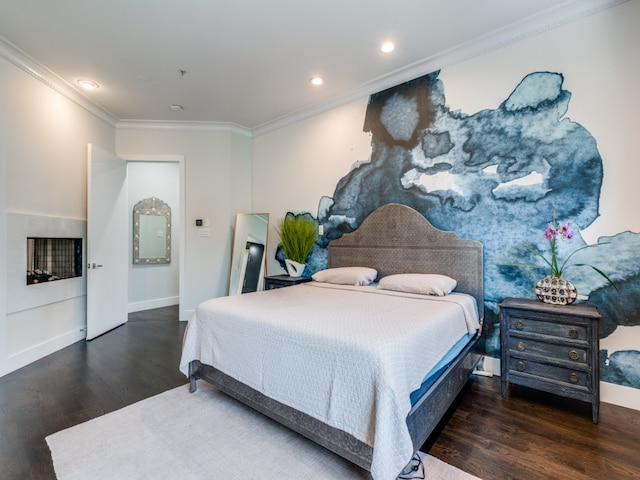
<point>50,259</point>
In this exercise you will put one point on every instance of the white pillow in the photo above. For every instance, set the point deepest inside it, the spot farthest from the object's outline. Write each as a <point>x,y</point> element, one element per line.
<point>346,275</point>
<point>423,283</point>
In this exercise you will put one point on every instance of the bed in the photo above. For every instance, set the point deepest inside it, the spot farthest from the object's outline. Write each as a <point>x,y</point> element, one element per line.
<point>364,416</point>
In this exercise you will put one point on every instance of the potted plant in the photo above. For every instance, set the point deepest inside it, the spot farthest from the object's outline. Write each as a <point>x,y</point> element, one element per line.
<point>554,288</point>
<point>298,235</point>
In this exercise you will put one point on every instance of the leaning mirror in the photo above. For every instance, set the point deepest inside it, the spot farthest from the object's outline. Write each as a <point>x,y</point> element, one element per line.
<point>247,258</point>
<point>151,231</point>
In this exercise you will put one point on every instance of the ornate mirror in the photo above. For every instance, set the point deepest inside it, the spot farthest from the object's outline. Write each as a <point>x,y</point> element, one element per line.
<point>151,231</point>
<point>247,259</point>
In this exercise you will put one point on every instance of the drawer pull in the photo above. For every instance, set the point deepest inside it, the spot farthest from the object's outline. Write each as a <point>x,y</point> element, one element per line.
<point>573,377</point>
<point>521,346</point>
<point>573,333</point>
<point>521,366</point>
<point>519,324</point>
<point>573,355</point>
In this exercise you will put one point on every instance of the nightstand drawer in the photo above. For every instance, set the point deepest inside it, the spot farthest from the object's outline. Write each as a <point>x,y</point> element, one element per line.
<point>558,329</point>
<point>542,371</point>
<point>564,353</point>
<point>554,348</point>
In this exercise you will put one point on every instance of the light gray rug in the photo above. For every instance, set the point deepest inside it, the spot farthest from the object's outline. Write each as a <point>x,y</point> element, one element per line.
<point>206,435</point>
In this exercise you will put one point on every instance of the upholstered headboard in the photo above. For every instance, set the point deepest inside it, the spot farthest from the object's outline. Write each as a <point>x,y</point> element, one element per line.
<point>397,239</point>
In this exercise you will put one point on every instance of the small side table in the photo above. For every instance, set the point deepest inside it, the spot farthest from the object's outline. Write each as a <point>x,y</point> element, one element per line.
<point>552,348</point>
<point>280,281</point>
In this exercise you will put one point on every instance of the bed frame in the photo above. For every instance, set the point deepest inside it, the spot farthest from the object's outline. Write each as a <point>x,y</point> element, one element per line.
<point>393,239</point>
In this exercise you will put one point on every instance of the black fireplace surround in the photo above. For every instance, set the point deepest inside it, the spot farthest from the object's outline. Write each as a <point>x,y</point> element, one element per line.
<point>50,259</point>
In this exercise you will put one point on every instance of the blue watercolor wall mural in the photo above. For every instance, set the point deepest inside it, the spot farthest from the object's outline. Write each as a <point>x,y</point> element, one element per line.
<point>496,176</point>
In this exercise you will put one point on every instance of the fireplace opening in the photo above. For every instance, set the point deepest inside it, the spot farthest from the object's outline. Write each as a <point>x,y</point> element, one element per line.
<point>50,259</point>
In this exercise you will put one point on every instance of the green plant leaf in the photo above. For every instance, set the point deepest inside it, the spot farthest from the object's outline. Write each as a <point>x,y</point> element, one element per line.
<point>298,235</point>
<point>554,270</point>
<point>604,275</point>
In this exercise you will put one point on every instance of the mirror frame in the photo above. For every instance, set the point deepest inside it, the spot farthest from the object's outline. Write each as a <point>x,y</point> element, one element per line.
<point>151,206</point>
<point>238,246</point>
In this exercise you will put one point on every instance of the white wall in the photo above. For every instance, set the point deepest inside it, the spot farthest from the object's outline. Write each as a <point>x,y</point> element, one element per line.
<point>45,128</point>
<point>294,166</point>
<point>297,164</point>
<point>217,186</point>
<point>154,285</point>
<point>3,242</point>
<point>43,177</point>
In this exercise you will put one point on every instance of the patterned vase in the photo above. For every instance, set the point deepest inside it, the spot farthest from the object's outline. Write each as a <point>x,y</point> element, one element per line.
<point>556,290</point>
<point>294,269</point>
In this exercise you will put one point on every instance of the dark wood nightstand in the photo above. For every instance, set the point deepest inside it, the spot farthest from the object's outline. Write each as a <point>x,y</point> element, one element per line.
<point>279,281</point>
<point>552,348</point>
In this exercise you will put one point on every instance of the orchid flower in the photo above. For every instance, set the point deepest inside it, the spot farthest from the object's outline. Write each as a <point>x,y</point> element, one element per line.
<point>563,232</point>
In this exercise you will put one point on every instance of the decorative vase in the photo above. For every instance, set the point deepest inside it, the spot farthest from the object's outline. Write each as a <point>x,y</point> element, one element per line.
<point>556,290</point>
<point>294,269</point>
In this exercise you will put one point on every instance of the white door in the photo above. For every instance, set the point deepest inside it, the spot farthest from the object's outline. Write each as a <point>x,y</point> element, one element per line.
<point>107,242</point>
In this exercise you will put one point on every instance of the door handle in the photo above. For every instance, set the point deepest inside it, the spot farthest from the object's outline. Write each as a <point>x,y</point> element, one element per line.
<point>93,265</point>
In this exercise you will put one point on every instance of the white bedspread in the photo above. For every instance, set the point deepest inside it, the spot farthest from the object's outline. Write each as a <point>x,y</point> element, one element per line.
<point>348,356</point>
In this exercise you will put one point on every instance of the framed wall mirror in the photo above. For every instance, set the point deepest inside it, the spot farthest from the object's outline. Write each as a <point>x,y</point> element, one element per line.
<point>151,232</point>
<point>247,257</point>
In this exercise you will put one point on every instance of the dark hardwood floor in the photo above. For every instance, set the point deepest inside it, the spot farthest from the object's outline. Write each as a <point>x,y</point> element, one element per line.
<point>529,436</point>
<point>83,381</point>
<point>536,436</point>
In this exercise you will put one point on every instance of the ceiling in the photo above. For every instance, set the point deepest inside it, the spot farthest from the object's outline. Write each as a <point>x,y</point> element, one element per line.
<point>248,62</point>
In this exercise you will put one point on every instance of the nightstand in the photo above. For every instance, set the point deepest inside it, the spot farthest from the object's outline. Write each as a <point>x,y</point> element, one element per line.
<point>552,348</point>
<point>279,281</point>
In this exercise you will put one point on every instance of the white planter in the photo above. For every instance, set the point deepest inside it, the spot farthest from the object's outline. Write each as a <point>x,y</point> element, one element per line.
<point>295,269</point>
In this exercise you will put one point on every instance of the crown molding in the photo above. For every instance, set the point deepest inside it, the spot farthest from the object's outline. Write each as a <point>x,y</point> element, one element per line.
<point>562,14</point>
<point>20,59</point>
<point>227,127</point>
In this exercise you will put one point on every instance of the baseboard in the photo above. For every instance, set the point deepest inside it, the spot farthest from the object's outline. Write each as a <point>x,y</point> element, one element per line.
<point>620,395</point>
<point>609,392</point>
<point>27,356</point>
<point>150,304</point>
<point>186,314</point>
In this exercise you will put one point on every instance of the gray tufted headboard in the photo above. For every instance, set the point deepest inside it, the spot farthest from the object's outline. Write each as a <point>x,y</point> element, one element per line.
<point>397,239</point>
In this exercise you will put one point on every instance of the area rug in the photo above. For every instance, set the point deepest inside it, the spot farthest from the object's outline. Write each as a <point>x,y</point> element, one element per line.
<point>205,435</point>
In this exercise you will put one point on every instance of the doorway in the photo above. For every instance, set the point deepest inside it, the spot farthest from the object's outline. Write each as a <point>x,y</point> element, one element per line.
<point>160,176</point>
<point>108,236</point>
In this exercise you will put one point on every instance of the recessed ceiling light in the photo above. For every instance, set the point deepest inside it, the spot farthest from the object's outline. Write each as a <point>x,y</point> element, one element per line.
<point>88,84</point>
<point>387,47</point>
<point>317,81</point>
